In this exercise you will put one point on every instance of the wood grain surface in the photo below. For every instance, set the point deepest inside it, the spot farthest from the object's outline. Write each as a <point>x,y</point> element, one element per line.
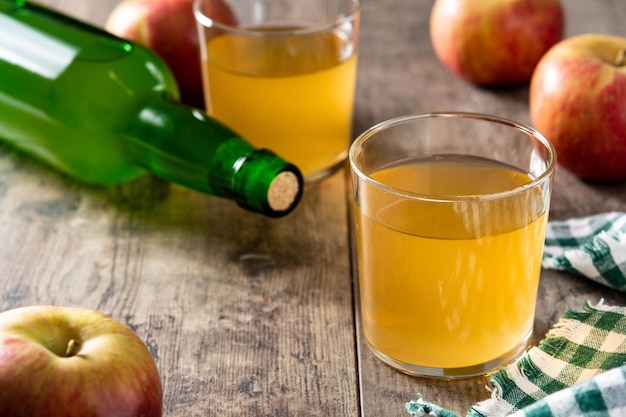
<point>253,316</point>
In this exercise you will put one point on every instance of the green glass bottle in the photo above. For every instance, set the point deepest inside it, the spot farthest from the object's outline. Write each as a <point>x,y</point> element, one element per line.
<point>106,110</point>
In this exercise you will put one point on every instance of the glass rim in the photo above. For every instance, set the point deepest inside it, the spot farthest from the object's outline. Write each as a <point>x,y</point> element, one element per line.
<point>442,198</point>
<point>327,26</point>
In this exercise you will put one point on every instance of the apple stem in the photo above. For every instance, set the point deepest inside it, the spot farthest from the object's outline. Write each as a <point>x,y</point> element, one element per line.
<point>72,348</point>
<point>620,61</point>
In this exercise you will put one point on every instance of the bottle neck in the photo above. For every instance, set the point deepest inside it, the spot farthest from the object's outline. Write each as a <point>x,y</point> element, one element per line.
<point>184,145</point>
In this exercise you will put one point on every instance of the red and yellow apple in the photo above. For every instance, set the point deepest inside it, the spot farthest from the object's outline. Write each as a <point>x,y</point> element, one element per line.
<point>168,28</point>
<point>494,42</point>
<point>73,362</point>
<point>578,101</point>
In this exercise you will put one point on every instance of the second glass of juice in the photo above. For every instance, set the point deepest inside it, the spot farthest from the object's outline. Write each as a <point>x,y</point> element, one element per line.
<point>283,74</point>
<point>450,213</point>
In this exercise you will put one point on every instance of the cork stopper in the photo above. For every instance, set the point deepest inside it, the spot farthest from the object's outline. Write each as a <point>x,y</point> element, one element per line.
<point>283,191</point>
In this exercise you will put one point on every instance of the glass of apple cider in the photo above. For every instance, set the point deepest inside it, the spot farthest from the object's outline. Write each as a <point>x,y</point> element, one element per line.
<point>282,74</point>
<point>450,215</point>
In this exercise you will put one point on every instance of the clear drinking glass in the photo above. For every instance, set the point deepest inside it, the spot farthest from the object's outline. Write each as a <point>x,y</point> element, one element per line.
<point>282,74</point>
<point>451,212</point>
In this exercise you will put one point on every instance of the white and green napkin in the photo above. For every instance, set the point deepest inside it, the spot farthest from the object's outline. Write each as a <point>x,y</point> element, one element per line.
<point>579,369</point>
<point>592,246</point>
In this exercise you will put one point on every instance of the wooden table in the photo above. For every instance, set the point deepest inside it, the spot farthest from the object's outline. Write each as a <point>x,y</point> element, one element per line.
<point>251,316</point>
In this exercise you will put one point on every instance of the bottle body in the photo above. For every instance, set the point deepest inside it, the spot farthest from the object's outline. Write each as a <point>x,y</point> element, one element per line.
<point>64,90</point>
<point>105,110</point>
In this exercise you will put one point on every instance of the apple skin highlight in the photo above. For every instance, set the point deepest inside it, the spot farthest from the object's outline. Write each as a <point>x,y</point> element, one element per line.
<point>495,43</point>
<point>74,362</point>
<point>578,101</point>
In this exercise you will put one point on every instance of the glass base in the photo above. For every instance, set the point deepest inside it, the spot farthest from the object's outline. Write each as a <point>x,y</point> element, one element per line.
<point>465,372</point>
<point>317,176</point>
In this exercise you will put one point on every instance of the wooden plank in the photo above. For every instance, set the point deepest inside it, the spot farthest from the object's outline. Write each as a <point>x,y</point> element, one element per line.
<point>251,316</point>
<point>245,315</point>
<point>92,11</point>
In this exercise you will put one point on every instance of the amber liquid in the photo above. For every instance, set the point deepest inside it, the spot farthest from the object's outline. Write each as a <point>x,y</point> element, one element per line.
<point>449,284</point>
<point>291,94</point>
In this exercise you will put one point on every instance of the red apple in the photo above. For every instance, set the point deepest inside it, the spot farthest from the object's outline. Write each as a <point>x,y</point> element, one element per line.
<point>168,27</point>
<point>73,362</point>
<point>494,42</point>
<point>578,101</point>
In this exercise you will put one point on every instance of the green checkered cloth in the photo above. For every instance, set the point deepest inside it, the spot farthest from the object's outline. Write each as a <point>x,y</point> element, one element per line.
<point>592,246</point>
<point>579,369</point>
